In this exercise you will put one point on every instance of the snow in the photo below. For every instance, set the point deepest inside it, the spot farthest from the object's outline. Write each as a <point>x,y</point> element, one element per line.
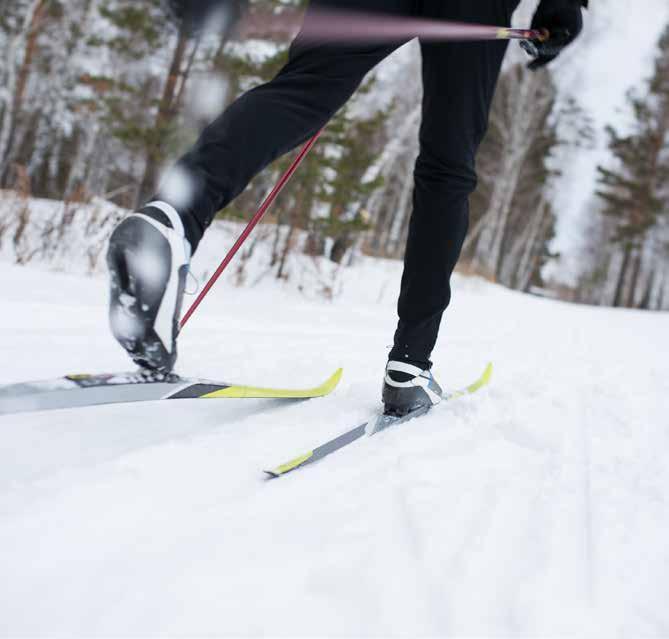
<point>537,507</point>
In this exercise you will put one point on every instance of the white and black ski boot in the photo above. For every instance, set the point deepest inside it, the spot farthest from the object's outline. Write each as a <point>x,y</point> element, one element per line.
<point>408,388</point>
<point>148,261</point>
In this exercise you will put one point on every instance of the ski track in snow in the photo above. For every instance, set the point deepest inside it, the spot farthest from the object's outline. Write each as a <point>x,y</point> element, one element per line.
<point>536,507</point>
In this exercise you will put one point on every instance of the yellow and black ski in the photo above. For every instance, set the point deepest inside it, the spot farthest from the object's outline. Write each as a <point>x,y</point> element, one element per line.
<point>76,391</point>
<point>371,428</point>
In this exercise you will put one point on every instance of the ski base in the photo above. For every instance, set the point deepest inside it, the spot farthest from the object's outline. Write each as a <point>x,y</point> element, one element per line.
<point>77,391</point>
<point>382,422</point>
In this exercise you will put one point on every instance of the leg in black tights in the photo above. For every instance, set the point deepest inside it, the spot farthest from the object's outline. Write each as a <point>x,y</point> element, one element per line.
<point>459,81</point>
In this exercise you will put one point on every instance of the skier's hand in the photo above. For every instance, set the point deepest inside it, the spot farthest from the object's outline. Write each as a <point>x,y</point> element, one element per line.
<point>563,22</point>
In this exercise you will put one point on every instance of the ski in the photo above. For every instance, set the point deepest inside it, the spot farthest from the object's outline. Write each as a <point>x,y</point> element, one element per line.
<point>382,422</point>
<point>77,391</point>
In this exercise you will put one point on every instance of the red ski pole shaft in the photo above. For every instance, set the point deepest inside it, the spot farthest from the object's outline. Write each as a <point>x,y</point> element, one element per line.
<point>264,207</point>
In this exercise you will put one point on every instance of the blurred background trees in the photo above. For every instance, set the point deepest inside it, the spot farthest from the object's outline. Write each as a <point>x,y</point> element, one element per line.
<point>634,189</point>
<point>97,98</point>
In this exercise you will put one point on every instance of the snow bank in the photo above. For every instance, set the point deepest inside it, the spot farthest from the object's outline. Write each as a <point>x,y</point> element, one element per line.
<point>72,238</point>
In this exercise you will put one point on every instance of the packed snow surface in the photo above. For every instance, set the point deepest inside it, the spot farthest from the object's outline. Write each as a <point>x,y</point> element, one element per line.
<point>537,507</point>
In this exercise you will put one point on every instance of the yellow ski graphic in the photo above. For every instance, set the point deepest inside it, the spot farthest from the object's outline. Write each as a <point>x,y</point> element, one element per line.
<point>252,392</point>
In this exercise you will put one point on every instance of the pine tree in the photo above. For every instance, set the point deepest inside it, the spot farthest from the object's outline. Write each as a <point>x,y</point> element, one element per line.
<point>141,111</point>
<point>94,103</point>
<point>327,199</point>
<point>357,141</point>
<point>635,191</point>
<point>22,25</point>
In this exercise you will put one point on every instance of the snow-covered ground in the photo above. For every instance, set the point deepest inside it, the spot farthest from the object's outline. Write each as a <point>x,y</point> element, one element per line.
<point>538,507</point>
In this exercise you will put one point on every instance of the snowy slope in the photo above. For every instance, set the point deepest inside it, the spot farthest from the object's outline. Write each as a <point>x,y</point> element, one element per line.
<point>538,507</point>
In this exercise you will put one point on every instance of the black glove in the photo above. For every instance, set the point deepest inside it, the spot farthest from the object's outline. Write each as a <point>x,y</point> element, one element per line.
<point>563,20</point>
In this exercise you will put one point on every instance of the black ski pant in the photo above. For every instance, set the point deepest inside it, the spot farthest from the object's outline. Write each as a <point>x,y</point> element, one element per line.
<point>459,81</point>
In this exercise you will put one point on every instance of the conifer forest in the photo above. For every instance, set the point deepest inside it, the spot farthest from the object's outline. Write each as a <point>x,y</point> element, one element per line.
<point>97,98</point>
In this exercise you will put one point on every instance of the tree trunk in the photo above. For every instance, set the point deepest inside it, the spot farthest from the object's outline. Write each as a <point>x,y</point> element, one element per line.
<point>662,288</point>
<point>636,270</point>
<point>620,285</point>
<point>341,244</point>
<point>518,141</point>
<point>647,297</point>
<point>17,81</point>
<point>527,264</point>
<point>287,247</point>
<point>164,117</point>
<point>275,242</point>
<point>394,166</point>
<point>178,102</point>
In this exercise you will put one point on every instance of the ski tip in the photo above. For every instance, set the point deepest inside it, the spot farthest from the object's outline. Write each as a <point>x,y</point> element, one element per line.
<point>332,382</point>
<point>288,466</point>
<point>252,392</point>
<point>482,381</point>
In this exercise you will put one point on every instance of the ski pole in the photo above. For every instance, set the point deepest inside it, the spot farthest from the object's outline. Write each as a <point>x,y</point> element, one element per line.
<point>338,25</point>
<point>264,207</point>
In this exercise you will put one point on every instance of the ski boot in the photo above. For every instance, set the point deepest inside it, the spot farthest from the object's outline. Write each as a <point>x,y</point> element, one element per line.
<point>148,261</point>
<point>408,388</point>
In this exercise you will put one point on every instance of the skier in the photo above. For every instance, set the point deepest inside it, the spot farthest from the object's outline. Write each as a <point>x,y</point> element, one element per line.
<point>150,251</point>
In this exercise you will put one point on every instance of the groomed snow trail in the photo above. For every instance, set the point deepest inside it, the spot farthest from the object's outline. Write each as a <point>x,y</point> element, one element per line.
<point>537,507</point>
